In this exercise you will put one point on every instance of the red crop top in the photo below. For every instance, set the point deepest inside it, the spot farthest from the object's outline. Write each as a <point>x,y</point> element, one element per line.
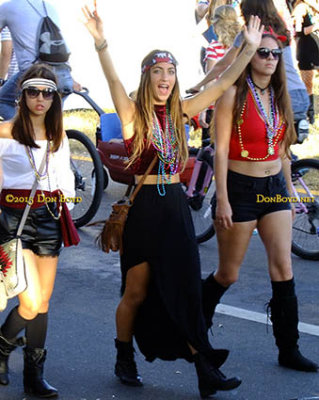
<point>141,164</point>
<point>251,142</point>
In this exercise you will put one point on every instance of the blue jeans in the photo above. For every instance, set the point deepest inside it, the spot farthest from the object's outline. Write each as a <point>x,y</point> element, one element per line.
<point>9,92</point>
<point>300,103</point>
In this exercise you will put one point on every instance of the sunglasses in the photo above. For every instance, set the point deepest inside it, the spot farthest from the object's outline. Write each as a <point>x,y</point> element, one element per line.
<point>47,94</point>
<point>264,53</point>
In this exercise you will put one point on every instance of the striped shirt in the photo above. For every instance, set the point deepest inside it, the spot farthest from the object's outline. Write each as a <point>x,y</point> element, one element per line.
<point>5,36</point>
<point>214,51</point>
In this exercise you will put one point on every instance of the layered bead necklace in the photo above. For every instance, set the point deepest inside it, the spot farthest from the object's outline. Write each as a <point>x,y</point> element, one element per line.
<point>272,121</point>
<point>166,146</point>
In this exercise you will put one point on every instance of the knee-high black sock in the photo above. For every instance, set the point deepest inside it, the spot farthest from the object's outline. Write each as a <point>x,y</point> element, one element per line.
<point>283,288</point>
<point>13,324</point>
<point>36,331</point>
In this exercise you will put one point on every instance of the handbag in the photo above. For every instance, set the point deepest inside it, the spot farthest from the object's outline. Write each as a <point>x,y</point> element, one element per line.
<point>111,237</point>
<point>13,276</point>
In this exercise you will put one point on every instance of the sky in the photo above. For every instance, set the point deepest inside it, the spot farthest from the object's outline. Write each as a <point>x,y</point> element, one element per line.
<point>132,28</point>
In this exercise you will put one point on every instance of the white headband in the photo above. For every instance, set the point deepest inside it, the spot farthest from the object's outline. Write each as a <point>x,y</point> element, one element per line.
<point>48,83</point>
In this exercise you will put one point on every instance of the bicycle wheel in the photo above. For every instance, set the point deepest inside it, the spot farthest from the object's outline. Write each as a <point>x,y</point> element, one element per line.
<point>202,216</point>
<point>305,230</point>
<point>89,177</point>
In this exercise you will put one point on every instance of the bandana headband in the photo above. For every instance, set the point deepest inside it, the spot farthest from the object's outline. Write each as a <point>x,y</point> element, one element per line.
<point>159,57</point>
<point>48,83</point>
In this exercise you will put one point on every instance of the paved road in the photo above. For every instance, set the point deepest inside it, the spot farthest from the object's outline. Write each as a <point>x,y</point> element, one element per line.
<point>80,341</point>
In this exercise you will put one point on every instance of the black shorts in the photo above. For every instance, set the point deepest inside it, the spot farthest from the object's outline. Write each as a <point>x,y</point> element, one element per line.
<point>251,198</point>
<point>41,233</point>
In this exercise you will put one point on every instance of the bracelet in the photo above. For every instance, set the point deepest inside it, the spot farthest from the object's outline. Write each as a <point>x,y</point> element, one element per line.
<point>2,82</point>
<point>102,46</point>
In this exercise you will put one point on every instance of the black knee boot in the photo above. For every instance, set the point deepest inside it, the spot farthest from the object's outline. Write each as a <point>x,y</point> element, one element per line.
<point>284,317</point>
<point>212,291</point>
<point>6,347</point>
<point>125,367</point>
<point>210,378</point>
<point>311,110</point>
<point>33,380</point>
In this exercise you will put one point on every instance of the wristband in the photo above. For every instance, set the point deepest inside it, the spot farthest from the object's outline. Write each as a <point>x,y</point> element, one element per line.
<point>238,41</point>
<point>102,46</point>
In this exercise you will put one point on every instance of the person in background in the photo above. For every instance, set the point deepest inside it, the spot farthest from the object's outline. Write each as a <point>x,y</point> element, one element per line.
<point>23,18</point>
<point>226,26</point>
<point>268,14</point>
<point>8,60</point>
<point>36,133</point>
<point>254,129</point>
<point>161,279</point>
<point>306,17</point>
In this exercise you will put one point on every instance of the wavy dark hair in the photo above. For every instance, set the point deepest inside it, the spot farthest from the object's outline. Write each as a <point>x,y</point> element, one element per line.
<point>143,116</point>
<point>267,12</point>
<point>282,98</point>
<point>22,129</point>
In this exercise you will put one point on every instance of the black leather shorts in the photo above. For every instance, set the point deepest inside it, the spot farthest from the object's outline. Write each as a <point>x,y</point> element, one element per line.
<point>251,198</point>
<point>41,233</point>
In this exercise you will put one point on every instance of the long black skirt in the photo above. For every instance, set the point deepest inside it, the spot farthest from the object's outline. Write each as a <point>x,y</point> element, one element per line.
<point>160,231</point>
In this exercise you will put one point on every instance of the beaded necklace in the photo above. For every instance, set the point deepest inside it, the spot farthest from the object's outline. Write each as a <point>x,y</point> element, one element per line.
<point>32,162</point>
<point>165,144</point>
<point>272,121</point>
<point>42,176</point>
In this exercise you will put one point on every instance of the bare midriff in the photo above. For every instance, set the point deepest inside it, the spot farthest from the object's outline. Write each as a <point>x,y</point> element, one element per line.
<point>258,169</point>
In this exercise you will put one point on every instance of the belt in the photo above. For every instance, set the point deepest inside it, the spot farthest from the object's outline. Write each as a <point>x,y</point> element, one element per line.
<point>153,179</point>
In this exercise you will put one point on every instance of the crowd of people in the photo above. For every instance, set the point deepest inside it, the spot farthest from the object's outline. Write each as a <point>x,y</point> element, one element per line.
<point>252,99</point>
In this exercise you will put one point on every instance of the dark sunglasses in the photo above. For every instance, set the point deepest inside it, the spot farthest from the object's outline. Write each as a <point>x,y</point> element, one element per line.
<point>47,94</point>
<point>264,53</point>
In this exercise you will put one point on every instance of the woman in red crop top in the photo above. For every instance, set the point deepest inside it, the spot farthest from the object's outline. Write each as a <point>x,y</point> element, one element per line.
<point>161,285</point>
<point>254,129</point>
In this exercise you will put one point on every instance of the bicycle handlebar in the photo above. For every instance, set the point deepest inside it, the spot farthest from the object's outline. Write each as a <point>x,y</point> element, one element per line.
<point>84,93</point>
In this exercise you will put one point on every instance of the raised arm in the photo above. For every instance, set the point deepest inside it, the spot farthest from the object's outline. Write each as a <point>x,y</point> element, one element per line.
<point>253,35</point>
<point>124,106</point>
<point>218,68</point>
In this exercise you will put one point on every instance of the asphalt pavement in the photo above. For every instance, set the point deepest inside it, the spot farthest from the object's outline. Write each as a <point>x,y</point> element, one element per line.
<point>81,352</point>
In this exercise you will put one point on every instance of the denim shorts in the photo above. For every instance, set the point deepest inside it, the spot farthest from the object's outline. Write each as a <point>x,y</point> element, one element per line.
<point>251,198</point>
<point>41,233</point>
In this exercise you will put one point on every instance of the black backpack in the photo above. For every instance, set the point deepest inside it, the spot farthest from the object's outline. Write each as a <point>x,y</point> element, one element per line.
<point>52,48</point>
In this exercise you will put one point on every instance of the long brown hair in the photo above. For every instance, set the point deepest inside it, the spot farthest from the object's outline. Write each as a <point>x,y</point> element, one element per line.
<point>144,116</point>
<point>268,14</point>
<point>22,129</point>
<point>282,98</point>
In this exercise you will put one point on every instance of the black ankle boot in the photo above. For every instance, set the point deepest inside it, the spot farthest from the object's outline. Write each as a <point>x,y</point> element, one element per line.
<point>125,367</point>
<point>210,378</point>
<point>6,347</point>
<point>284,317</point>
<point>212,291</point>
<point>33,381</point>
